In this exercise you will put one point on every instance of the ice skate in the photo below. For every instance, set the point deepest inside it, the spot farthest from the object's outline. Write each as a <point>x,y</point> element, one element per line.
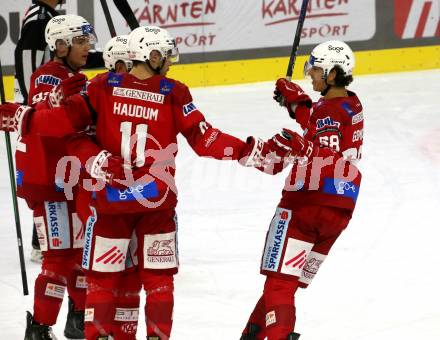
<point>251,332</point>
<point>74,328</point>
<point>35,331</point>
<point>293,336</point>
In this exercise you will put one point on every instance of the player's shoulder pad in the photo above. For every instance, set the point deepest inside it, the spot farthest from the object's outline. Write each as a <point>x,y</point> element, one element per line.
<point>50,73</point>
<point>179,91</point>
<point>351,105</point>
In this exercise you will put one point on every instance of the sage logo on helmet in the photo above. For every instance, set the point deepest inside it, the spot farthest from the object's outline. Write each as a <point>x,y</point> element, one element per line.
<point>66,27</point>
<point>116,50</point>
<point>143,40</point>
<point>329,54</point>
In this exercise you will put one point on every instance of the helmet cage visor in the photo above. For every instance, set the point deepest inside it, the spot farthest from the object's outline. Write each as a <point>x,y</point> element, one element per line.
<point>172,54</point>
<point>308,65</point>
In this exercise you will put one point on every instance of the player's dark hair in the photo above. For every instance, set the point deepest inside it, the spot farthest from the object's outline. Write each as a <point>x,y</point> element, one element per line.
<point>341,80</point>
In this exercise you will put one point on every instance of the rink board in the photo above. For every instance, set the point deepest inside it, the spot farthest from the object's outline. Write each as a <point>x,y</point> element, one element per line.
<point>266,69</point>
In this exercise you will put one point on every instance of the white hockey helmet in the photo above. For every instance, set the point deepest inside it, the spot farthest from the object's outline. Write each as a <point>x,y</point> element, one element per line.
<point>330,54</point>
<point>116,50</point>
<point>66,27</point>
<point>145,39</point>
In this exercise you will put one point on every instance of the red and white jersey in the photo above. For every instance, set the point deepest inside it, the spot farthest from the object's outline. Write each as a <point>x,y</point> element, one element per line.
<point>139,120</point>
<point>335,127</point>
<point>37,156</point>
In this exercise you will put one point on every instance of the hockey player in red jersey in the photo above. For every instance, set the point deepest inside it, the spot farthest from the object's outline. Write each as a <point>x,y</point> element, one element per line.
<point>60,232</point>
<point>320,193</point>
<point>128,289</point>
<point>137,116</point>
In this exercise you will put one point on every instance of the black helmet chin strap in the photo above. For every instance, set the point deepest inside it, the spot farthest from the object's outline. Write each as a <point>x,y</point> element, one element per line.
<point>325,91</point>
<point>157,69</point>
<point>327,88</point>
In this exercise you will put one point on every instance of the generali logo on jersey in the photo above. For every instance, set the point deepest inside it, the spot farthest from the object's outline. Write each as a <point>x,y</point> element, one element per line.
<point>417,18</point>
<point>138,94</point>
<point>181,14</point>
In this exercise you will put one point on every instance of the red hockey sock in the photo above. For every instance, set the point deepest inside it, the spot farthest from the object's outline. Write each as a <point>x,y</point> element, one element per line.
<point>76,287</point>
<point>100,304</point>
<point>127,306</point>
<point>258,318</point>
<point>49,293</point>
<point>159,304</point>
<point>280,307</point>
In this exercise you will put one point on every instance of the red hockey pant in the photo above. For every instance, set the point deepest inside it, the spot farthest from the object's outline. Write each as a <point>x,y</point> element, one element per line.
<point>61,237</point>
<point>297,243</point>
<point>107,240</point>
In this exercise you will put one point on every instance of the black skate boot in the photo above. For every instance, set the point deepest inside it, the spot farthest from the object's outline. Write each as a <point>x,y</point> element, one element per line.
<point>293,336</point>
<point>251,332</point>
<point>35,331</point>
<point>74,328</point>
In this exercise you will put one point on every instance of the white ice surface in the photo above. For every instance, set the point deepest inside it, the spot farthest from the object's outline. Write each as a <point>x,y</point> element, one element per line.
<point>382,278</point>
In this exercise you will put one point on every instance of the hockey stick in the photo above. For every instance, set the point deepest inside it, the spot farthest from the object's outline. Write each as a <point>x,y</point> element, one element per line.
<point>126,11</point>
<point>14,195</point>
<point>301,19</point>
<point>108,18</point>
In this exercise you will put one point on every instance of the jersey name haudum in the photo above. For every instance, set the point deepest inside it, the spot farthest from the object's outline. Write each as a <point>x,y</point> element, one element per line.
<point>138,94</point>
<point>138,111</point>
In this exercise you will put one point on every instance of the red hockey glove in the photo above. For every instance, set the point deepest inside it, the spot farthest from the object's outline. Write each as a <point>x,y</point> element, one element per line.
<point>14,117</point>
<point>298,146</point>
<point>66,88</point>
<point>261,154</point>
<point>7,114</point>
<point>290,95</point>
<point>109,168</point>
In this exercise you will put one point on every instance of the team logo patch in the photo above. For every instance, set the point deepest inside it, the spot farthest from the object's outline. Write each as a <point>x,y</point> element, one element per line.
<point>57,217</point>
<point>295,256</point>
<point>109,254</point>
<point>188,108</point>
<point>160,251</point>
<point>127,314</point>
<point>327,122</point>
<point>40,226</point>
<point>335,186</point>
<point>89,314</point>
<point>137,192</point>
<point>55,291</point>
<point>270,318</point>
<point>311,267</point>
<point>275,239</point>
<point>139,94</point>
<point>166,87</point>
<point>347,108</point>
<point>114,79</point>
<point>81,282</point>
<point>47,79</point>
<point>357,118</point>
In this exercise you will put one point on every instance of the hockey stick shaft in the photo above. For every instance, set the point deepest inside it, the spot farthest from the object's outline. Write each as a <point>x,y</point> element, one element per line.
<point>14,195</point>
<point>108,18</point>
<point>126,11</point>
<point>294,51</point>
